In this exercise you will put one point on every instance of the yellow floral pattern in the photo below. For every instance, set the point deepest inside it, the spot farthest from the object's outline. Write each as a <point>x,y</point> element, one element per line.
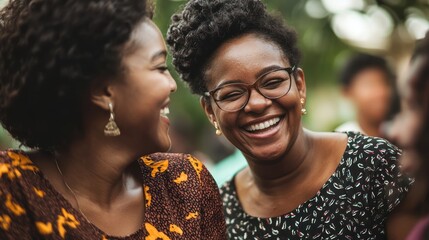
<point>169,181</point>
<point>157,167</point>
<point>176,229</point>
<point>66,219</point>
<point>192,215</point>
<point>182,178</point>
<point>44,228</point>
<point>39,192</point>
<point>5,222</point>
<point>148,196</point>
<point>197,165</point>
<point>19,163</point>
<point>154,234</point>
<point>12,206</point>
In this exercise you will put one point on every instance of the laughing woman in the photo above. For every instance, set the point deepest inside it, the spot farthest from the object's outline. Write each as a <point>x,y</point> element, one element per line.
<point>299,184</point>
<point>84,83</point>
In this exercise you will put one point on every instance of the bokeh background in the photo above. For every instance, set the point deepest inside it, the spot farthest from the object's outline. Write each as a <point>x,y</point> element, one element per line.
<point>329,32</point>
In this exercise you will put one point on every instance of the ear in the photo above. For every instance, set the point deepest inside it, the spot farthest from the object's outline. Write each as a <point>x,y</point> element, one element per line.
<point>208,110</point>
<point>101,94</point>
<point>300,83</point>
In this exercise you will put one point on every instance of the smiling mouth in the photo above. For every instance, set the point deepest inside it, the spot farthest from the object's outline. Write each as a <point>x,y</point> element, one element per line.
<point>164,112</point>
<point>263,125</point>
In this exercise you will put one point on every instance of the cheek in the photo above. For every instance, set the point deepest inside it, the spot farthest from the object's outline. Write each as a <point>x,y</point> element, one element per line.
<point>363,97</point>
<point>406,129</point>
<point>414,124</point>
<point>290,104</point>
<point>229,125</point>
<point>226,121</point>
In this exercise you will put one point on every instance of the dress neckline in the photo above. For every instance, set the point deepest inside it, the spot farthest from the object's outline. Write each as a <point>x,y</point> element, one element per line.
<point>350,137</point>
<point>66,204</point>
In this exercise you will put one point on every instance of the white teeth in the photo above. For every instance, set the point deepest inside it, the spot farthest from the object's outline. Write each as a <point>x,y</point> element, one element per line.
<point>263,125</point>
<point>165,111</point>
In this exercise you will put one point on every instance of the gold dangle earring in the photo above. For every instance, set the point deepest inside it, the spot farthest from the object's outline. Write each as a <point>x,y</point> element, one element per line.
<point>303,110</point>
<point>218,131</point>
<point>111,129</point>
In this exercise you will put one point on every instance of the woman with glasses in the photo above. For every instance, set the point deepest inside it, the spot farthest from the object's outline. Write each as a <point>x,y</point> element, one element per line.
<point>84,84</point>
<point>299,184</point>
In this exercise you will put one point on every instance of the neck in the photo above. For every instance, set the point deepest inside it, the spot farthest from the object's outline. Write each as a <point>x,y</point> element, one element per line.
<point>100,176</point>
<point>370,128</point>
<point>294,165</point>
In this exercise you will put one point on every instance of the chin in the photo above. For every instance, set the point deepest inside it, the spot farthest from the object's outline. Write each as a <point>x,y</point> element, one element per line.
<point>168,148</point>
<point>268,161</point>
<point>165,144</point>
<point>267,157</point>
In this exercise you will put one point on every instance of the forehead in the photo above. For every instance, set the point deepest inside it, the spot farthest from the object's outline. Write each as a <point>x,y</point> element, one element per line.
<point>146,40</point>
<point>370,75</point>
<point>243,55</point>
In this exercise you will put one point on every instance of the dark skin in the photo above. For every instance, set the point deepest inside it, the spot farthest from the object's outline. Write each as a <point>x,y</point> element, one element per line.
<point>108,197</point>
<point>266,196</point>
<point>287,164</point>
<point>103,171</point>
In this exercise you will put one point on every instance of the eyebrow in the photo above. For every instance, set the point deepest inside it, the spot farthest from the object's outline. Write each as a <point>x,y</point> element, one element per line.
<point>257,75</point>
<point>162,53</point>
<point>267,69</point>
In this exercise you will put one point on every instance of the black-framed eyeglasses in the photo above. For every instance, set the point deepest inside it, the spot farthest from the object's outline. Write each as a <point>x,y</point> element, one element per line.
<point>272,85</point>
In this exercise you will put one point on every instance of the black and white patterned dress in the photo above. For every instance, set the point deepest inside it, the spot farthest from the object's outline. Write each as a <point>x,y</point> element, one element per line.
<point>352,204</point>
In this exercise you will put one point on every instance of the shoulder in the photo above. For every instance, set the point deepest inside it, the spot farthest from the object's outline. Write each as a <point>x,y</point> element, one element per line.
<point>349,126</point>
<point>16,182</point>
<point>5,156</point>
<point>177,159</point>
<point>20,179</point>
<point>15,165</point>
<point>7,171</point>
<point>230,202</point>
<point>378,159</point>
<point>366,146</point>
<point>174,162</point>
<point>178,168</point>
<point>227,190</point>
<point>371,158</point>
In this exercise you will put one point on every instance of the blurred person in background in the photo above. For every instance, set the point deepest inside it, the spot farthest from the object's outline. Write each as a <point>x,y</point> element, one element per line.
<point>410,130</point>
<point>85,84</point>
<point>244,63</point>
<point>367,81</point>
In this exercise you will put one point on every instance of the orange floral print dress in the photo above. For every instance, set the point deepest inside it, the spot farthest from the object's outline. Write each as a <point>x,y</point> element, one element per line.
<point>182,202</point>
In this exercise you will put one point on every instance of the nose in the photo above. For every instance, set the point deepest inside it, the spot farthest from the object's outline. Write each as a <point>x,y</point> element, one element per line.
<point>172,82</point>
<point>257,102</point>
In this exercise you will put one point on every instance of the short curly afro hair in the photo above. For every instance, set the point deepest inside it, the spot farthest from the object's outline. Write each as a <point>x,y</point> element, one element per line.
<point>361,62</point>
<point>50,53</point>
<point>204,25</point>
